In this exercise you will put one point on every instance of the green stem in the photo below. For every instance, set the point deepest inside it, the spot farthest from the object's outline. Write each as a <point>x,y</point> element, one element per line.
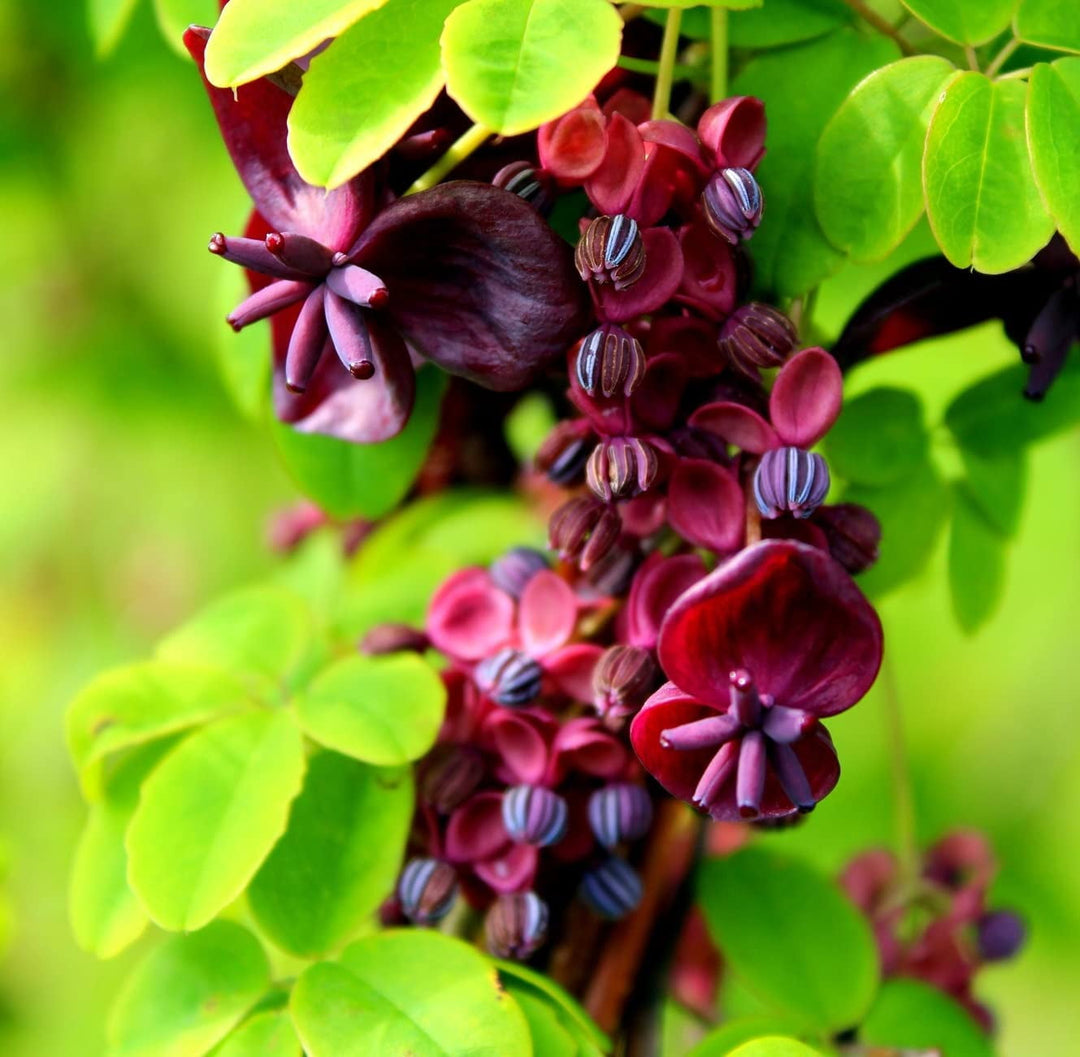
<point>972,57</point>
<point>666,70</point>
<point>1002,57</point>
<point>907,840</point>
<point>681,70</point>
<point>1012,75</point>
<point>718,33</point>
<point>882,25</point>
<point>459,150</point>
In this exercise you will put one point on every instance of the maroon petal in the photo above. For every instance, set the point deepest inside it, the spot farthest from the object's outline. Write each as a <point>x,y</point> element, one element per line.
<point>689,337</point>
<point>479,282</point>
<point>706,506</point>
<point>571,669</point>
<point>583,745</point>
<point>663,273</point>
<point>610,187</point>
<point>786,612</point>
<point>520,742</point>
<point>737,425</point>
<point>475,830</point>
<point>657,584</point>
<point>734,130</point>
<point>547,614</point>
<point>677,770</point>
<point>512,871</point>
<point>709,278</point>
<point>675,172</point>
<point>806,397</point>
<point>655,402</point>
<point>469,617</point>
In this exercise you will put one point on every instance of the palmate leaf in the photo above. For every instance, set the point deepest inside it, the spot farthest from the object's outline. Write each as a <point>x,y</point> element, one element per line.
<point>910,1013</point>
<point>1049,23</point>
<point>879,438</point>
<point>964,21</point>
<point>268,1034</point>
<point>107,20</point>
<point>1053,132</point>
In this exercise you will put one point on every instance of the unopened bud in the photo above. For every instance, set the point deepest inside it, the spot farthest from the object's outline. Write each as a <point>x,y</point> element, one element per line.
<point>612,889</point>
<point>853,534</point>
<point>534,815</point>
<point>757,335</point>
<point>622,679</point>
<point>621,467</point>
<point>510,678</point>
<point>513,571</point>
<point>999,934</point>
<point>584,530</point>
<point>790,481</point>
<point>619,812</point>
<point>450,775</point>
<point>427,889</point>
<point>609,361</point>
<point>733,204</point>
<point>521,179</point>
<point>611,251</point>
<point>516,925</point>
<point>392,638</point>
<point>564,452</point>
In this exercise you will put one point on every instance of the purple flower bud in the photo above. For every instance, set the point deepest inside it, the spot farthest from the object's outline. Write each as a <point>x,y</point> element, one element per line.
<point>619,812</point>
<point>611,251</point>
<point>516,925</point>
<point>427,889</point>
<point>450,775</point>
<point>733,204</point>
<point>565,451</point>
<point>510,678</point>
<point>610,360</point>
<point>392,638</point>
<point>999,935</point>
<point>534,815</point>
<point>516,568</point>
<point>584,530</point>
<point>622,679</point>
<point>521,179</point>
<point>757,335</point>
<point>621,467</point>
<point>790,480</point>
<point>853,534</point>
<point>612,889</point>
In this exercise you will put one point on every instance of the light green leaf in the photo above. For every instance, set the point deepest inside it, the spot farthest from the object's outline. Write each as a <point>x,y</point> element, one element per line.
<point>363,480</point>
<point>360,95</point>
<point>1053,133</point>
<point>513,64</point>
<point>108,20</point>
<point>997,485</point>
<point>257,37</point>
<point>209,815</point>
<point>339,857</point>
<point>964,21</point>
<point>732,1034</point>
<point>909,1013</point>
<point>549,1037</point>
<point>802,88</point>
<point>174,16</point>
<point>976,564</point>
<point>1050,23</point>
<point>879,437</point>
<point>138,703</point>
<point>730,5</point>
<point>793,937</point>
<point>243,359</point>
<point>984,208</point>
<point>188,993</point>
<point>868,177</point>
<point>268,1034</point>
<point>784,22</point>
<point>408,991</point>
<point>775,1046</point>
<point>382,710</point>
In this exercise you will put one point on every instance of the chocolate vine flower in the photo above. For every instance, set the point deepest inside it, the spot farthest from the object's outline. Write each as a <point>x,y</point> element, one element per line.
<point>466,275</point>
<point>757,653</point>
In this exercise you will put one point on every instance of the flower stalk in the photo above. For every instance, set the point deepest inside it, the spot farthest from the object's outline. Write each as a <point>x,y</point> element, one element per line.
<point>459,150</point>
<point>668,50</point>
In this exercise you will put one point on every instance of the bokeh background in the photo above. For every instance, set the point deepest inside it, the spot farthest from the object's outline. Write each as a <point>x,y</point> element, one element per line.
<point>133,491</point>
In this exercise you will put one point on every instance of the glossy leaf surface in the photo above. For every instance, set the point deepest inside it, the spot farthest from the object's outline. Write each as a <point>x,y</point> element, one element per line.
<point>1053,131</point>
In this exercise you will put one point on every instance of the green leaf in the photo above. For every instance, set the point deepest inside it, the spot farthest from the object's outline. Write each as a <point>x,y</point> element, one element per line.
<point>868,176</point>
<point>513,64</point>
<point>174,16</point>
<point>792,935</point>
<point>188,993</point>
<point>997,485</point>
<point>361,95</point>
<point>138,703</point>
<point>879,437</point>
<point>909,1013</point>
<point>1053,132</point>
<point>209,815</point>
<point>549,1037</point>
<point>268,1034</point>
<point>802,88</point>
<point>976,564</point>
<point>964,21</point>
<point>724,1039</point>
<point>407,991</point>
<point>257,37</point>
<point>339,857</point>
<point>363,480</point>
<point>382,710</point>
<point>784,22</point>
<point>775,1046</point>
<point>1050,23</point>
<point>243,359</point>
<point>912,513</point>
<point>686,5</point>
<point>108,20</point>
<point>984,208</point>
<point>991,417</point>
<point>265,632</point>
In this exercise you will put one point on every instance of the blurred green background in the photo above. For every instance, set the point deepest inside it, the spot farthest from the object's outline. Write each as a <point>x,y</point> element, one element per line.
<point>133,492</point>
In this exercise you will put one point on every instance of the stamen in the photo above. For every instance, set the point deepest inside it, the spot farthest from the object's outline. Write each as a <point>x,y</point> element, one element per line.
<point>701,733</point>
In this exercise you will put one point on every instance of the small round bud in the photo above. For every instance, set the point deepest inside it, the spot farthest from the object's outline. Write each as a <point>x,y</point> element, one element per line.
<point>622,679</point>
<point>790,481</point>
<point>612,889</point>
<point>584,530</point>
<point>450,775</point>
<point>510,678</point>
<point>999,935</point>
<point>609,361</point>
<point>392,638</point>
<point>619,812</point>
<point>521,179</point>
<point>853,534</point>
<point>513,571</point>
<point>427,889</point>
<point>534,815</point>
<point>564,452</point>
<point>757,335</point>
<point>621,467</point>
<point>733,204</point>
<point>516,925</point>
<point>611,251</point>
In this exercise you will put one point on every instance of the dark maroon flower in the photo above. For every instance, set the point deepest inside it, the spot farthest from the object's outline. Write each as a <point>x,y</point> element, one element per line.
<point>620,812</point>
<point>622,680</point>
<point>621,467</point>
<point>734,131</point>
<point>775,639</point>
<point>609,360</point>
<point>852,534</point>
<point>584,530</point>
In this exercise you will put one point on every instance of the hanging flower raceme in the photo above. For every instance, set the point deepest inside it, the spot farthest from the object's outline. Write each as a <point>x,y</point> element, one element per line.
<point>757,653</point>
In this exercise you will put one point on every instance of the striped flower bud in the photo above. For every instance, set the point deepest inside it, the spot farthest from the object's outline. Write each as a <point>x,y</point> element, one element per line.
<point>618,812</point>
<point>564,452</point>
<point>427,889</point>
<point>622,679</point>
<point>512,572</point>
<point>534,815</point>
<point>609,361</point>
<point>612,889</point>
<point>611,251</point>
<point>516,925</point>
<point>521,179</point>
<point>757,335</point>
<point>450,776</point>
<point>733,204</point>
<point>790,481</point>
<point>621,467</point>
<point>853,534</point>
<point>583,530</point>
<point>510,678</point>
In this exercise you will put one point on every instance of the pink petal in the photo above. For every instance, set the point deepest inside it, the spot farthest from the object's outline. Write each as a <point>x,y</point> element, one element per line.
<point>657,584</point>
<point>571,668</point>
<point>547,614</point>
<point>734,130</point>
<point>513,871</point>
<point>806,397</point>
<point>583,745</point>
<point>521,744</point>
<point>663,273</point>
<point>706,505</point>
<point>475,831</point>
<point>469,617</point>
<point>609,188</point>
<point>738,425</point>
<point>572,147</point>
